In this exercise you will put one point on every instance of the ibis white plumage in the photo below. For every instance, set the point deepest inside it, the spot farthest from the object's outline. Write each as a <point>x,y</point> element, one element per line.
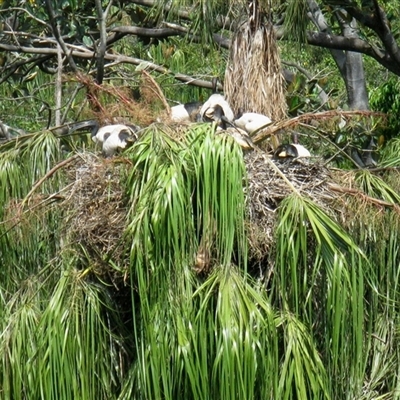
<point>185,113</point>
<point>252,122</point>
<point>291,151</point>
<point>216,100</point>
<point>241,137</point>
<point>98,136</point>
<point>115,137</point>
<point>216,115</point>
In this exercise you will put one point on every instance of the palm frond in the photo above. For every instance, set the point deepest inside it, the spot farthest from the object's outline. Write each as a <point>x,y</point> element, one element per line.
<point>253,76</point>
<point>182,194</point>
<point>244,346</point>
<point>375,186</point>
<point>296,20</point>
<point>27,234</point>
<point>78,321</point>
<point>390,154</point>
<point>18,341</point>
<point>382,369</point>
<point>302,370</point>
<point>60,345</point>
<point>177,187</point>
<point>320,278</point>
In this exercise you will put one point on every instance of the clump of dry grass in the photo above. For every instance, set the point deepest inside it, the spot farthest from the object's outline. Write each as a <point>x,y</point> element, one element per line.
<point>253,77</point>
<point>254,72</point>
<point>113,104</point>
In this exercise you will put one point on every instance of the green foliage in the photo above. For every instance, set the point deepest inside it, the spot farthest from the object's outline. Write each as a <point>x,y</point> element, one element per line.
<point>321,322</point>
<point>221,338</point>
<point>377,187</point>
<point>386,98</point>
<point>181,56</point>
<point>30,102</point>
<point>296,21</point>
<point>24,242</point>
<point>302,96</point>
<point>59,343</point>
<point>390,154</point>
<point>172,172</point>
<point>323,325</point>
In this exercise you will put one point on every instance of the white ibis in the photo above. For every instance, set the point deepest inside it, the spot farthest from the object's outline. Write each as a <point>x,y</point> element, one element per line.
<point>291,151</point>
<point>184,113</point>
<point>115,137</point>
<point>252,122</point>
<point>217,100</point>
<point>216,114</point>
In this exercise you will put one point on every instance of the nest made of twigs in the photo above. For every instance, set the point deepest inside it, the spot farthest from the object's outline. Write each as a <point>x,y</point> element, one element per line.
<point>266,189</point>
<point>95,211</point>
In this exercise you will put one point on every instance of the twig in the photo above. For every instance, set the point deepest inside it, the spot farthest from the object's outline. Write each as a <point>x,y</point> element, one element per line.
<point>321,92</point>
<point>358,193</point>
<point>277,170</point>
<point>158,90</point>
<point>339,150</point>
<point>54,196</point>
<point>384,169</point>
<point>58,88</point>
<point>101,18</point>
<point>288,123</point>
<point>48,175</point>
<point>57,35</point>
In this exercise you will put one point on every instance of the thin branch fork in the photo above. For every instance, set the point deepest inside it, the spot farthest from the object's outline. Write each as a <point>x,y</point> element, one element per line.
<point>116,59</point>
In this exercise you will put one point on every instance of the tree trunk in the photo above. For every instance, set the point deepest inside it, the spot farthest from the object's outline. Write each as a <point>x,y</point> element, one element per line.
<point>58,91</point>
<point>350,64</point>
<point>353,71</point>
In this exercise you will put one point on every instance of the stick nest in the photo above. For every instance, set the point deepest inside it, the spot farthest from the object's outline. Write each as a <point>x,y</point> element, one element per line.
<point>96,213</point>
<point>266,189</point>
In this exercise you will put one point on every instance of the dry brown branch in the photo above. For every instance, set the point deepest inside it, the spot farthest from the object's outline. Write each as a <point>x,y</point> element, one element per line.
<point>47,176</point>
<point>360,194</point>
<point>157,90</point>
<point>304,118</point>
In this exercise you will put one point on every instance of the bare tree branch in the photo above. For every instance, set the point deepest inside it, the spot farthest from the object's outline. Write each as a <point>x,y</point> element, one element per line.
<point>303,118</point>
<point>185,12</point>
<point>34,45</point>
<point>58,91</point>
<point>390,58</point>
<point>116,59</point>
<point>40,21</point>
<point>386,35</point>
<point>9,70</point>
<point>122,31</point>
<point>101,18</point>
<point>322,39</point>
<point>57,35</point>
